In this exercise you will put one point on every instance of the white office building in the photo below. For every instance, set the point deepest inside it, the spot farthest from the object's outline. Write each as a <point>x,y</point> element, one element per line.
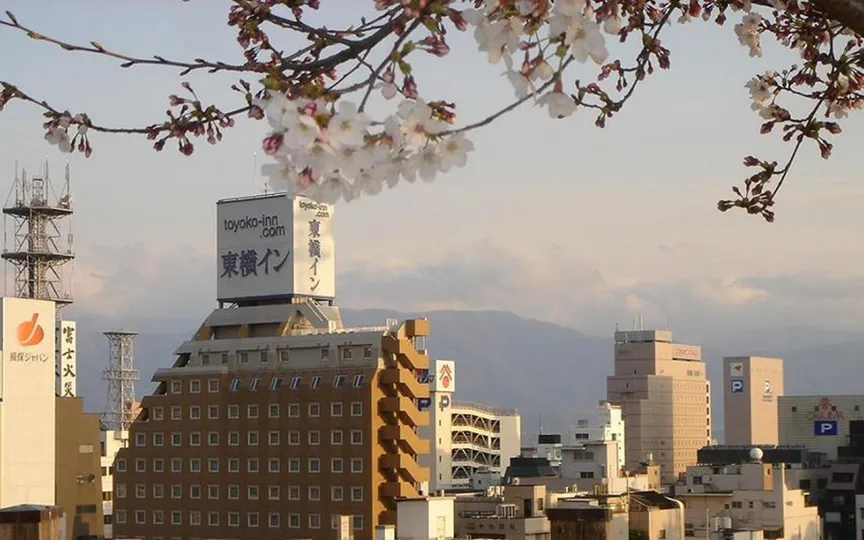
<point>606,425</point>
<point>465,438</point>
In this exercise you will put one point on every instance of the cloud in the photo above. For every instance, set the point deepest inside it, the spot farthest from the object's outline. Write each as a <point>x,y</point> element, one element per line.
<point>540,282</point>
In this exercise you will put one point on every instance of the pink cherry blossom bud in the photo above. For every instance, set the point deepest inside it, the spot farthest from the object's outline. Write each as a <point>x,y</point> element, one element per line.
<point>409,87</point>
<point>272,144</point>
<point>833,127</point>
<point>159,145</point>
<point>175,100</point>
<point>750,161</point>
<point>458,20</point>
<point>256,112</point>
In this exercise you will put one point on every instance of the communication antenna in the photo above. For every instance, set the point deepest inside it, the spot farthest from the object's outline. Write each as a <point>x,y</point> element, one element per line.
<point>121,376</point>
<point>38,222</point>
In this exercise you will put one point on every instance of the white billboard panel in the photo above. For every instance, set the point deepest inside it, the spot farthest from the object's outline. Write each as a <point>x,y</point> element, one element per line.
<point>265,245</point>
<point>66,346</point>
<point>314,254</point>
<point>445,376</point>
<point>28,372</point>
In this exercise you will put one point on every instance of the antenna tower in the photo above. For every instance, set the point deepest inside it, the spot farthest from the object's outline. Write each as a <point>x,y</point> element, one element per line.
<point>121,376</point>
<point>41,235</point>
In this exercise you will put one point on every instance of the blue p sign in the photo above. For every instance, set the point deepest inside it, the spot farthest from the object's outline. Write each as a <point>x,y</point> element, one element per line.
<point>825,428</point>
<point>737,386</point>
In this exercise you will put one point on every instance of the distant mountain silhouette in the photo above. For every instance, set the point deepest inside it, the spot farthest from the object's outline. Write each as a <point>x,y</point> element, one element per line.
<point>551,373</point>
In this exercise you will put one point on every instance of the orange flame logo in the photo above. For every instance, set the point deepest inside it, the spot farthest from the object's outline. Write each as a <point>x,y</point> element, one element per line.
<point>30,332</point>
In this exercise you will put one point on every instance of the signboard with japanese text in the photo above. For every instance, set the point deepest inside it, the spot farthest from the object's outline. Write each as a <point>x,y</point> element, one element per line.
<point>273,246</point>
<point>314,254</point>
<point>28,346</point>
<point>444,380</point>
<point>66,346</point>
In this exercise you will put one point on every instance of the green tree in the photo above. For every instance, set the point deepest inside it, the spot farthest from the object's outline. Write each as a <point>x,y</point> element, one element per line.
<point>324,145</point>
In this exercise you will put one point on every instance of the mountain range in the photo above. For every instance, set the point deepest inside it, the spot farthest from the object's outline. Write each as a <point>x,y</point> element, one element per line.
<point>552,374</point>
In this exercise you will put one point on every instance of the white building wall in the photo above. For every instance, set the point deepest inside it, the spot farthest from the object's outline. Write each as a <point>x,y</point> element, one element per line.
<point>27,409</point>
<point>607,424</point>
<point>422,519</point>
<point>112,442</point>
<point>802,417</point>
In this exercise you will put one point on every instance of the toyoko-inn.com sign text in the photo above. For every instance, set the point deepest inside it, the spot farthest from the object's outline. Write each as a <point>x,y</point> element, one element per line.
<point>267,226</point>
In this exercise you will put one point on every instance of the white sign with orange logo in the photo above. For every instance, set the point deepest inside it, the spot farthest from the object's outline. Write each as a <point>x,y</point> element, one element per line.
<point>445,380</point>
<point>28,335</point>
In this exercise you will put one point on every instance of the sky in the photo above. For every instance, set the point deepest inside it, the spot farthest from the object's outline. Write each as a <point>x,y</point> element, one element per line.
<point>552,219</point>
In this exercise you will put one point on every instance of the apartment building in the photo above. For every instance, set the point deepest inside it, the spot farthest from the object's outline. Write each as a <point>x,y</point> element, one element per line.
<point>752,386</point>
<point>665,399</point>
<point>467,438</point>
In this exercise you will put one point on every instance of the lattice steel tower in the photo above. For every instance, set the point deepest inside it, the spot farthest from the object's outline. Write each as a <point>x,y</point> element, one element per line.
<point>121,376</point>
<point>41,236</point>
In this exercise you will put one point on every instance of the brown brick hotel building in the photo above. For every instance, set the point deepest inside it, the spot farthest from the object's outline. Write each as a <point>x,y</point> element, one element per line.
<point>274,421</point>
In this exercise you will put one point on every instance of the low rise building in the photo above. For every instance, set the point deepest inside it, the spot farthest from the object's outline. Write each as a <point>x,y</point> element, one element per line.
<point>515,512</point>
<point>589,518</point>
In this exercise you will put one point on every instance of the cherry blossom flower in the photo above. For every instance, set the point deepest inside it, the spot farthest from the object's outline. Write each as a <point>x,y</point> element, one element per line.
<point>348,126</point>
<point>748,33</point>
<point>453,151</point>
<point>585,40</point>
<point>559,104</point>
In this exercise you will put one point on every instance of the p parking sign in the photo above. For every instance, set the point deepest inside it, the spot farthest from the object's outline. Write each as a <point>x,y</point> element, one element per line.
<point>737,386</point>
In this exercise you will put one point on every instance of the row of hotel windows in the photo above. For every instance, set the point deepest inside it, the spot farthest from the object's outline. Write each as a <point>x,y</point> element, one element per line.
<point>339,381</point>
<point>274,465</point>
<point>253,492</point>
<point>274,438</point>
<point>346,353</point>
<point>252,411</point>
<point>253,519</point>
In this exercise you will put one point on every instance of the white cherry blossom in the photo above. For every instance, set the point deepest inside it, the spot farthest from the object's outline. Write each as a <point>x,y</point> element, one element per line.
<point>748,33</point>
<point>585,40</point>
<point>348,126</point>
<point>453,151</point>
<point>559,104</point>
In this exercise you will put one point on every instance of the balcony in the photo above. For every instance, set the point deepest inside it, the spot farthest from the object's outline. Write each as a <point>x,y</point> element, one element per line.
<point>408,469</point>
<point>407,382</point>
<point>405,409</point>
<point>405,437</point>
<point>405,353</point>
<point>397,490</point>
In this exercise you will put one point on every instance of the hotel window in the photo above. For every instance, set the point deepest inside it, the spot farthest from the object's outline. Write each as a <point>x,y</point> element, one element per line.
<point>336,465</point>
<point>213,412</point>
<point>255,384</point>
<point>338,381</point>
<point>176,464</point>
<point>284,355</point>
<point>252,438</point>
<point>213,491</point>
<point>274,520</point>
<point>325,353</point>
<point>140,491</point>
<point>233,412</point>
<point>336,409</point>
<point>195,412</point>
<point>314,521</point>
<point>273,410</point>
<point>158,491</point>
<point>347,353</point>
<point>265,357</point>
<point>158,517</point>
<point>176,491</point>
<point>367,352</point>
<point>158,465</point>
<point>120,491</point>
<point>336,493</point>
<point>252,519</point>
<point>224,358</point>
<point>195,438</point>
<point>140,439</point>
<point>314,437</point>
<point>273,465</point>
<point>213,519</point>
<point>293,438</point>
<point>358,381</point>
<point>244,357</point>
<point>213,438</point>
<point>316,382</point>
<point>356,408</point>
<point>195,517</point>
<point>273,493</point>
<point>234,386</point>
<point>195,386</point>
<point>176,412</point>
<point>252,465</point>
<point>140,465</point>
<point>233,492</point>
<point>158,413</point>
<point>252,493</point>
<point>195,465</point>
<point>176,439</point>
<point>314,410</point>
<point>212,465</point>
<point>357,522</point>
<point>314,465</point>
<point>293,410</point>
<point>274,438</point>
<point>356,436</point>
<point>233,438</point>
<point>293,493</point>
<point>195,491</point>
<point>233,465</point>
<point>120,465</point>
<point>213,385</point>
<point>356,465</point>
<point>140,517</point>
<point>336,436</point>
<point>121,516</point>
<point>275,383</point>
<point>314,493</point>
<point>293,521</point>
<point>295,383</point>
<point>252,411</point>
<point>357,493</point>
<point>294,465</point>
<point>158,439</point>
<point>176,387</point>
<point>233,519</point>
